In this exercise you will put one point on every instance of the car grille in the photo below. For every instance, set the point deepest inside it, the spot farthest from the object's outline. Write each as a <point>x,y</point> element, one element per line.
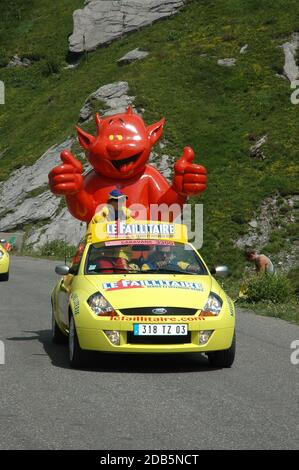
<point>132,339</point>
<point>149,311</point>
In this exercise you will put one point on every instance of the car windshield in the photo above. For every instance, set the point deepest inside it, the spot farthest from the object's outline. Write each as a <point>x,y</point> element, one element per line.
<point>143,256</point>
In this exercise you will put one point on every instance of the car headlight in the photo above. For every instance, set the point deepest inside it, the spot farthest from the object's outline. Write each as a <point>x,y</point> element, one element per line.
<point>99,305</point>
<point>1,254</point>
<point>213,305</point>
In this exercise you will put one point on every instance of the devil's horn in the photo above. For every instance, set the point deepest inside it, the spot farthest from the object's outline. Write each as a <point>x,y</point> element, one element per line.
<point>98,121</point>
<point>129,110</point>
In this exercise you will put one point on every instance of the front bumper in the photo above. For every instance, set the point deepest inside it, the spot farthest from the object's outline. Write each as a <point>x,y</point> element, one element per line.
<point>96,340</point>
<point>4,265</point>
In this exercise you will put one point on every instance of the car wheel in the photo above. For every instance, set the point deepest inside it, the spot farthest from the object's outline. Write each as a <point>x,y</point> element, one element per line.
<point>77,356</point>
<point>57,336</point>
<point>223,358</point>
<point>4,277</point>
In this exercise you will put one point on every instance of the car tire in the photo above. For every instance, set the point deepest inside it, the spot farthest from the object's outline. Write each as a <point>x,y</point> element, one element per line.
<point>4,276</point>
<point>57,336</point>
<point>223,358</point>
<point>77,357</point>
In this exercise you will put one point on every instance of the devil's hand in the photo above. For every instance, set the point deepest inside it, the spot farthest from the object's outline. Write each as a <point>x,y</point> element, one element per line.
<point>189,178</point>
<point>66,179</point>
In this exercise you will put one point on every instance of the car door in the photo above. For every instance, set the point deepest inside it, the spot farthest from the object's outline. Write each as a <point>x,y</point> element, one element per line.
<point>65,288</point>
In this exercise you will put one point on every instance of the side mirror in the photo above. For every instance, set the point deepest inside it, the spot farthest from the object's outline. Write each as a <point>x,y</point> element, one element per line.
<point>74,269</point>
<point>62,270</point>
<point>220,271</point>
<point>2,240</point>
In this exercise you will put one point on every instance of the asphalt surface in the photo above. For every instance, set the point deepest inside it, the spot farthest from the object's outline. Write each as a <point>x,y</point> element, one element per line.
<point>144,402</point>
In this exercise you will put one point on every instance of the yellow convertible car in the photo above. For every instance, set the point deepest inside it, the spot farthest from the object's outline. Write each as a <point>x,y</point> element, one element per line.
<point>140,287</point>
<point>4,262</point>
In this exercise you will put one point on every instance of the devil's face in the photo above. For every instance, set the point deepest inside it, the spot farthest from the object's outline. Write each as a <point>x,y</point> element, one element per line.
<point>122,145</point>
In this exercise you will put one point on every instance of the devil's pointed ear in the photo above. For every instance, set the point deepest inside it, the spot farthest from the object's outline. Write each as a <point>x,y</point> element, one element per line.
<point>84,138</point>
<point>155,131</point>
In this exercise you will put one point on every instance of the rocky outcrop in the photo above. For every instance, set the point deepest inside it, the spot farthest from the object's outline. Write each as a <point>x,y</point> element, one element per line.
<point>27,179</point>
<point>16,61</point>
<point>164,163</point>
<point>135,54</point>
<point>102,21</point>
<point>63,227</point>
<point>18,208</point>
<point>230,62</point>
<point>114,97</point>
<point>31,210</point>
<point>256,150</point>
<point>275,213</point>
<point>243,49</point>
<point>290,69</point>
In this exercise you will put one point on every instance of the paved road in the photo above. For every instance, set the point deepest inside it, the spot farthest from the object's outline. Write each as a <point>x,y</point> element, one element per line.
<point>121,402</point>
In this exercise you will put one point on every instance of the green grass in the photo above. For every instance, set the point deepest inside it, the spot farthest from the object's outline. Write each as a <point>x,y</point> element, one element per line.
<point>288,311</point>
<point>54,250</point>
<point>214,109</point>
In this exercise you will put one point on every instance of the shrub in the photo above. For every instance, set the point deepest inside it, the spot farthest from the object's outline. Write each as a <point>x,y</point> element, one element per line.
<point>276,289</point>
<point>293,276</point>
<point>49,66</point>
<point>58,249</point>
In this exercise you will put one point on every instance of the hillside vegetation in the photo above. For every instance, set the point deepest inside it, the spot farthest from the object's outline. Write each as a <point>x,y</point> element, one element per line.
<point>216,110</point>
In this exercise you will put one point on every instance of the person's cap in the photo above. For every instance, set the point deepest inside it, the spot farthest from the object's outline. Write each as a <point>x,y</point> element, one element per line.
<point>117,194</point>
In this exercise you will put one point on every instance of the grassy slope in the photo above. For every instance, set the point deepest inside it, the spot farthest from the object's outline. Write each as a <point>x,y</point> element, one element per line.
<point>211,108</point>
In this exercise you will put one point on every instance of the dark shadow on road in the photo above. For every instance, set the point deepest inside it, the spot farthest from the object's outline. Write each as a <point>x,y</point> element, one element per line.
<point>127,363</point>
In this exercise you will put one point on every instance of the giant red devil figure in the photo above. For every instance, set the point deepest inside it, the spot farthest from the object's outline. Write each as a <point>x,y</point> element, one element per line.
<point>119,155</point>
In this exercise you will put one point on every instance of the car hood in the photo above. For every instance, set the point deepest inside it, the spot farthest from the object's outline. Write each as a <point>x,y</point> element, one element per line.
<point>144,290</point>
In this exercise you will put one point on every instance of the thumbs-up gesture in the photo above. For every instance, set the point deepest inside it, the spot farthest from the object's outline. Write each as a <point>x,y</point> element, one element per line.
<point>189,178</point>
<point>67,178</point>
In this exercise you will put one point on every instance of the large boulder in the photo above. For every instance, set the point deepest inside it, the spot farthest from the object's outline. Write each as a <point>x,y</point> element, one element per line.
<point>290,68</point>
<point>135,54</point>
<point>27,179</point>
<point>31,210</point>
<point>63,227</point>
<point>102,21</point>
<point>114,97</point>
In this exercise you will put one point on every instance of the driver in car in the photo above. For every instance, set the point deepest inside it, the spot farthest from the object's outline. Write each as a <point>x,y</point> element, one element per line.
<point>114,260</point>
<point>163,257</point>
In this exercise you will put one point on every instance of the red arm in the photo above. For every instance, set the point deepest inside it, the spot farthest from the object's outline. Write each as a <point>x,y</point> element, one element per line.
<point>67,180</point>
<point>189,179</point>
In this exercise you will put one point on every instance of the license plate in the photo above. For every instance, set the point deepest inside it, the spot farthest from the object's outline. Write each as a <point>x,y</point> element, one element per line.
<point>147,329</point>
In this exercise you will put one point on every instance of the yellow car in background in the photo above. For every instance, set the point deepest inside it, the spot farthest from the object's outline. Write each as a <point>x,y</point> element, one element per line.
<point>4,262</point>
<point>140,287</point>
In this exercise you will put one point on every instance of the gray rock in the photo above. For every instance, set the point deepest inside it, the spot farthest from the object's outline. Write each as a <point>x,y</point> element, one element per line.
<point>253,223</point>
<point>16,61</point>
<point>63,227</point>
<point>230,62</point>
<point>268,218</point>
<point>114,96</point>
<point>31,210</point>
<point>290,69</point>
<point>26,62</point>
<point>71,66</point>
<point>163,163</point>
<point>135,54</point>
<point>256,150</point>
<point>102,21</point>
<point>243,49</point>
<point>26,179</point>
